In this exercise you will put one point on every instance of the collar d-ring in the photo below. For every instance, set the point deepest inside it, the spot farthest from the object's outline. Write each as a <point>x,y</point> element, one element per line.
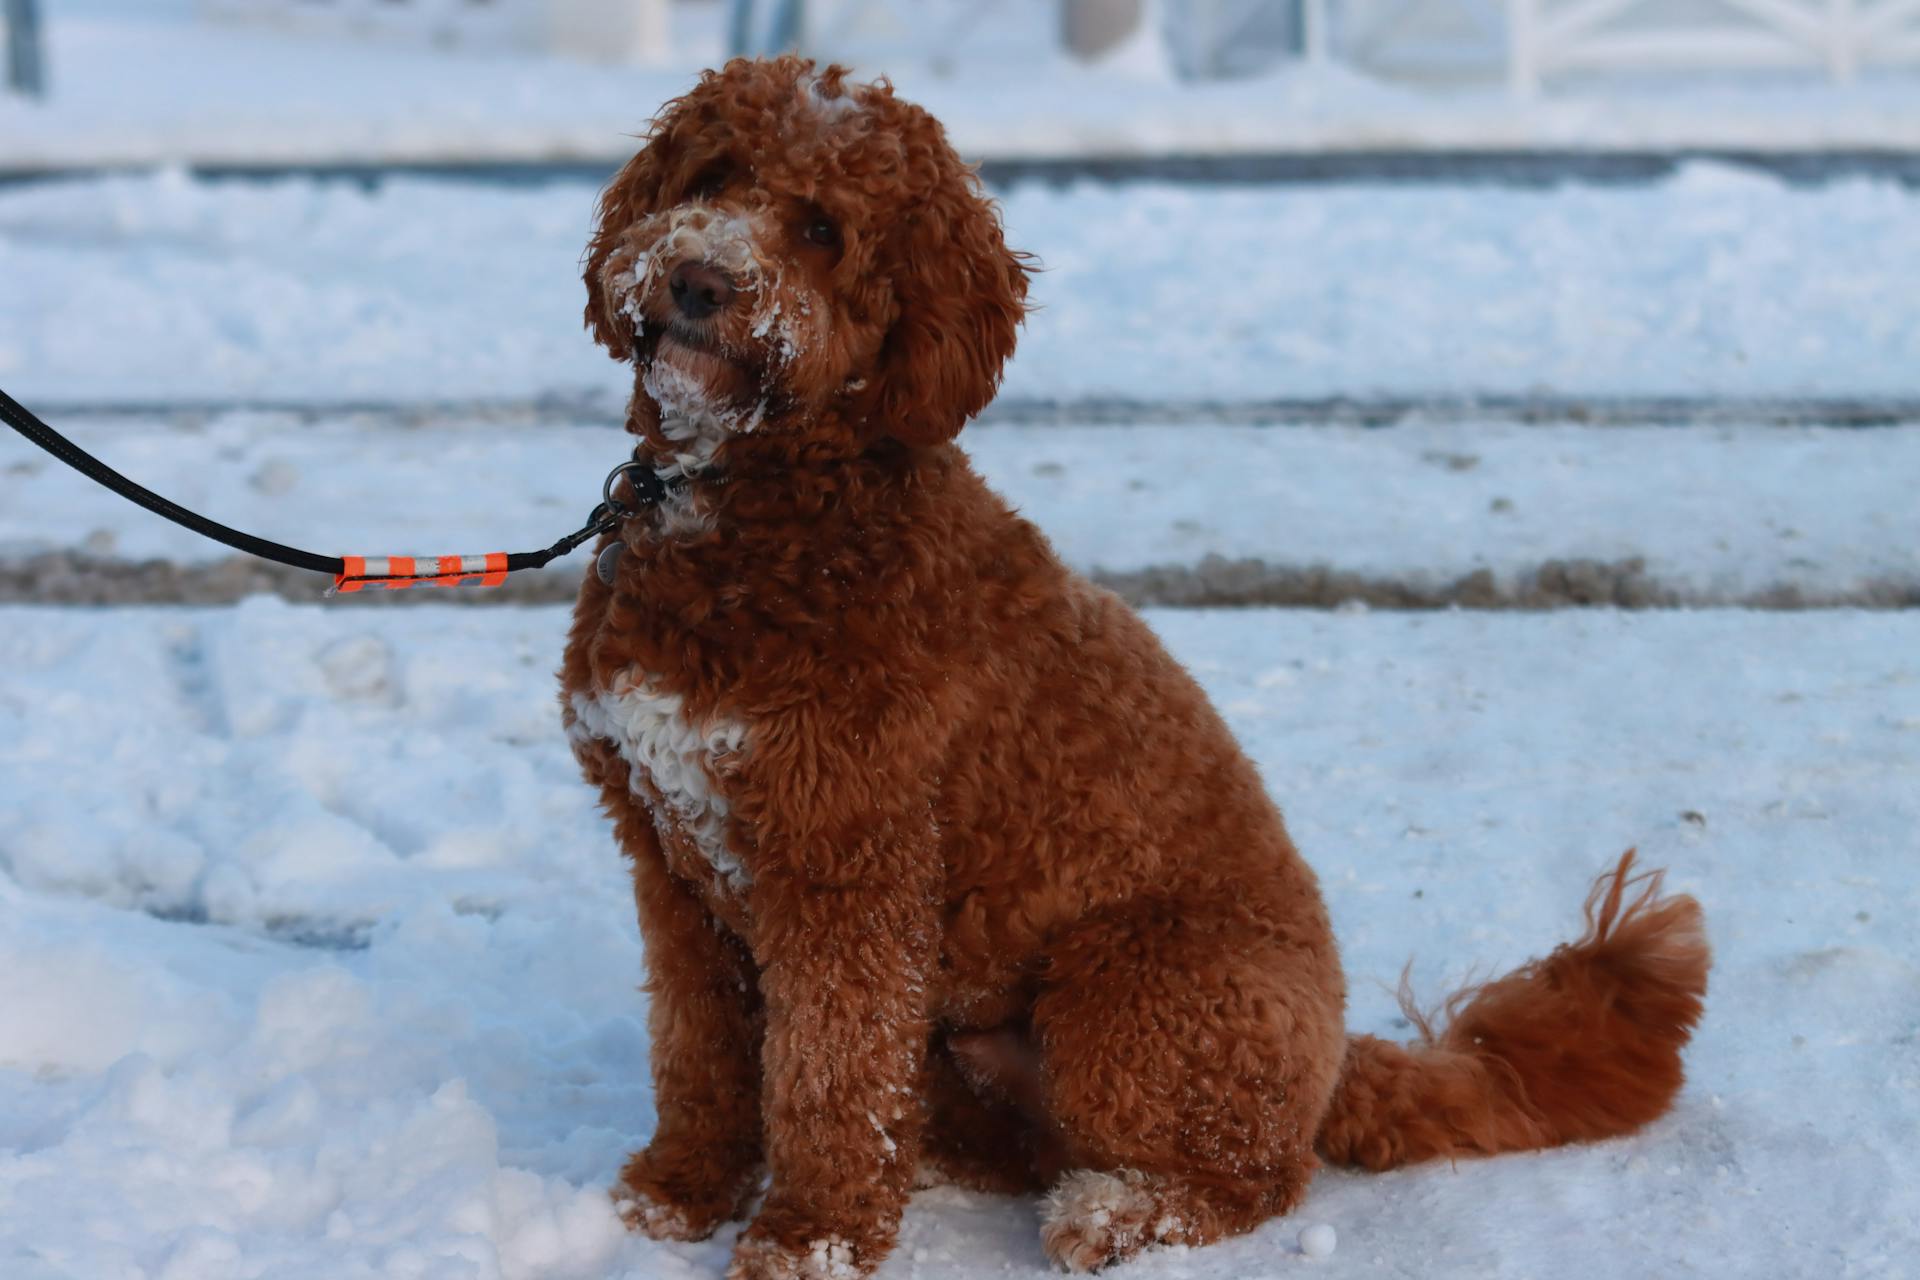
<point>647,488</point>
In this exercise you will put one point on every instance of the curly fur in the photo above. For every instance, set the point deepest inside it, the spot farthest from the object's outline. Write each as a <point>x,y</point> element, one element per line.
<point>1583,1044</point>
<point>946,870</point>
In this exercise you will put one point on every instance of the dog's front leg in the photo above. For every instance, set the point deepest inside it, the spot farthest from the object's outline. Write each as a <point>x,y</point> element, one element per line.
<point>704,1161</point>
<point>843,973</point>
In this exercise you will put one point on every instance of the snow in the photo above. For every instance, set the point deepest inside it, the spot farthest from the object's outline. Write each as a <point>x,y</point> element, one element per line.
<point>1716,282</point>
<point>316,959</point>
<point>1718,513</point>
<point>132,86</point>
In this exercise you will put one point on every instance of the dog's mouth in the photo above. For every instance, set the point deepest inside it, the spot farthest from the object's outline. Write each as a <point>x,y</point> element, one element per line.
<point>698,349</point>
<point>698,360</point>
<point>679,333</point>
<point>705,394</point>
<point>709,377</point>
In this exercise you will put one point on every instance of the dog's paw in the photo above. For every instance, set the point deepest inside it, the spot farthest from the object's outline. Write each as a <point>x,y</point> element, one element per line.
<point>669,1208</point>
<point>658,1220</point>
<point>828,1258</point>
<point>1092,1220</point>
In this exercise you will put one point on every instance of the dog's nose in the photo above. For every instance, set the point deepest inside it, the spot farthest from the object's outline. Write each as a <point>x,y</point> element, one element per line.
<point>699,290</point>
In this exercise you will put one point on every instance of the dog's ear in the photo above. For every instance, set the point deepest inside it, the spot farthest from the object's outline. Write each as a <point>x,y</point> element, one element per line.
<point>961,295</point>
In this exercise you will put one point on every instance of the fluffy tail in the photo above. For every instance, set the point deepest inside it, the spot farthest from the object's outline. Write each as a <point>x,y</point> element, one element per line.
<point>1584,1044</point>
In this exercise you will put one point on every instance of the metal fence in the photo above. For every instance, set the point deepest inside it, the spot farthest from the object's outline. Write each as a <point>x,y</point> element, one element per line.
<point>26,64</point>
<point>594,29</point>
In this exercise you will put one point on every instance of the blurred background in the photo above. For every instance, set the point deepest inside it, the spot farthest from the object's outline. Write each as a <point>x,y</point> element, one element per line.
<point>204,81</point>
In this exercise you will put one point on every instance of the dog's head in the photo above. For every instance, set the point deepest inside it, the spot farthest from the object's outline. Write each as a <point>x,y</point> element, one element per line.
<point>790,247</point>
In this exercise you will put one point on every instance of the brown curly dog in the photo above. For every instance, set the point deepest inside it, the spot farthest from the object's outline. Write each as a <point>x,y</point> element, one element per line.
<point>945,868</point>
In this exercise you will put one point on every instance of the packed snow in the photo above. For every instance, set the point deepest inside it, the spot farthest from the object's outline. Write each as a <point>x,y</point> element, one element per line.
<point>1318,1241</point>
<point>1718,514</point>
<point>1717,282</point>
<point>317,960</point>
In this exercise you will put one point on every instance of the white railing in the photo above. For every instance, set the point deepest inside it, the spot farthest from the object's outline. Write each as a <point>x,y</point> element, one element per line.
<point>1539,41</point>
<point>1233,37</point>
<point>1528,43</point>
<point>1552,38</point>
<point>1412,39</point>
<point>598,29</point>
<point>938,32</point>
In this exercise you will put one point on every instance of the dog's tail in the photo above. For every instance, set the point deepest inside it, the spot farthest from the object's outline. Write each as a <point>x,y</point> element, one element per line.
<point>1584,1044</point>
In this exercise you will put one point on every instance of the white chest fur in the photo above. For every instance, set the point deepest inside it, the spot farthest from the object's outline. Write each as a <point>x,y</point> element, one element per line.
<point>671,761</point>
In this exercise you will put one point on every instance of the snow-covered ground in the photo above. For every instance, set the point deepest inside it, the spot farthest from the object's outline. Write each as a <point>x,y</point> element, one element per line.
<point>315,959</point>
<point>459,303</point>
<point>1719,514</point>
<point>140,84</point>
<point>1718,282</point>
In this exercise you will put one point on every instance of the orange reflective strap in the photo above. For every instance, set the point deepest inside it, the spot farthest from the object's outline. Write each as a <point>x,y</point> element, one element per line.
<point>397,573</point>
<point>352,575</point>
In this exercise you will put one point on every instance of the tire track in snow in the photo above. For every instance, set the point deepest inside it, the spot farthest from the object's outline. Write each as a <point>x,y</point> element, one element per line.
<point>81,580</point>
<point>1512,513</point>
<point>189,664</point>
<point>587,409</point>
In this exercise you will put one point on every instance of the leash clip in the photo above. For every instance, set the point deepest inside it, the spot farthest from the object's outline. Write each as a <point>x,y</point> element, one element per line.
<point>648,489</point>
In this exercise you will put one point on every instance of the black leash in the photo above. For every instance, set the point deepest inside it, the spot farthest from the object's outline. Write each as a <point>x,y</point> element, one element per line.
<point>351,573</point>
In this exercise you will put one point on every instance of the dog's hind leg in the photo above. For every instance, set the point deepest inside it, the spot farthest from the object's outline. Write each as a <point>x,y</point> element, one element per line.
<point>1186,1057</point>
<point>976,1137</point>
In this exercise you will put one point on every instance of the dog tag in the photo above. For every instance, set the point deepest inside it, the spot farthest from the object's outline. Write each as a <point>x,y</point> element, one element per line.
<point>607,563</point>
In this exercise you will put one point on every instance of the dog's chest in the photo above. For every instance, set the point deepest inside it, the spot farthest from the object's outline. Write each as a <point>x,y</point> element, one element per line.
<point>678,767</point>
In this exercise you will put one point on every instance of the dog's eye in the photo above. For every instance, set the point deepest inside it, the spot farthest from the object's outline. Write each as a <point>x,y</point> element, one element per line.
<point>821,231</point>
<point>709,183</point>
